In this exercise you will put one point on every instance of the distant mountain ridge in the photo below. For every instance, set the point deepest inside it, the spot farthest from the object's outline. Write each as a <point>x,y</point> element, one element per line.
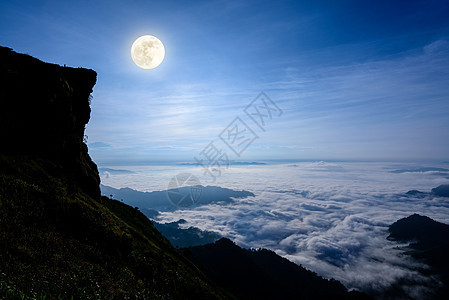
<point>420,170</point>
<point>440,191</point>
<point>114,171</point>
<point>191,236</point>
<point>159,200</point>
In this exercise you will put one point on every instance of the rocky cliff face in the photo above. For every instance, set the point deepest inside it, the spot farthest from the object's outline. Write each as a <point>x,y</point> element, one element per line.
<point>44,109</point>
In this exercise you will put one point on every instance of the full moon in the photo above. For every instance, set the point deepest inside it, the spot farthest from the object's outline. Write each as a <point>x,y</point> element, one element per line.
<point>147,52</point>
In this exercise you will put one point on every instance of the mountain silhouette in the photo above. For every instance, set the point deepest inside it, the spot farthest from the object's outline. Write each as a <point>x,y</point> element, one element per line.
<point>186,237</point>
<point>429,243</point>
<point>262,274</point>
<point>441,190</point>
<point>159,200</point>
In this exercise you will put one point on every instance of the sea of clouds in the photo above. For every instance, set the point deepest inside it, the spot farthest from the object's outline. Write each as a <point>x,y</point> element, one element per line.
<point>329,217</point>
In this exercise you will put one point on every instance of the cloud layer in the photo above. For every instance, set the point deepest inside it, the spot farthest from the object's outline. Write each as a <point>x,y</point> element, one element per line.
<point>330,217</point>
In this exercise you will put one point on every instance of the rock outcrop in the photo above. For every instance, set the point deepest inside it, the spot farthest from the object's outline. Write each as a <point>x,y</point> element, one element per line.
<point>44,109</point>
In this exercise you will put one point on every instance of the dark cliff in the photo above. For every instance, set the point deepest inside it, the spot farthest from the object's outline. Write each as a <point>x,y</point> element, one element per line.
<point>44,109</point>
<point>58,238</point>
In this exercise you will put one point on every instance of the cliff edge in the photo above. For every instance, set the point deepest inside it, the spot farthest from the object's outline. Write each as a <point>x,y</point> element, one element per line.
<point>44,109</point>
<point>58,237</point>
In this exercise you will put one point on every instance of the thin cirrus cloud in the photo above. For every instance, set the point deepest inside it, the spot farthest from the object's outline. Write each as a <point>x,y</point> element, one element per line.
<point>355,80</point>
<point>377,109</point>
<point>385,109</point>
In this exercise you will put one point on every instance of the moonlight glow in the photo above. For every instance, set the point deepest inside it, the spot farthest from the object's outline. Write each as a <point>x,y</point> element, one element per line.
<point>147,52</point>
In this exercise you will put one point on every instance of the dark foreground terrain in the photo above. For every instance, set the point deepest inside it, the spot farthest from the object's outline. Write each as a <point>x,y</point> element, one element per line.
<point>262,274</point>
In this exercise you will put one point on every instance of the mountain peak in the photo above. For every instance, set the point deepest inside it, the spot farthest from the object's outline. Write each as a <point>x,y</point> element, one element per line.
<point>442,190</point>
<point>417,227</point>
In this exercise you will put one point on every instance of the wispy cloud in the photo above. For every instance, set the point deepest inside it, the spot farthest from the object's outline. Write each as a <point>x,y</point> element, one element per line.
<point>390,108</point>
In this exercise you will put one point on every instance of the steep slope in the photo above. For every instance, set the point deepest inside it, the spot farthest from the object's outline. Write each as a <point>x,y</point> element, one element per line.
<point>58,237</point>
<point>262,274</point>
<point>186,237</point>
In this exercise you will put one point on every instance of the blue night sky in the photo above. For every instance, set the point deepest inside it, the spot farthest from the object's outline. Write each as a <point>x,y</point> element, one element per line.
<point>356,80</point>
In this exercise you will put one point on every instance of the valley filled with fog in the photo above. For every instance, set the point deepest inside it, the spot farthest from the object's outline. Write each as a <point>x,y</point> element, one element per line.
<point>331,217</point>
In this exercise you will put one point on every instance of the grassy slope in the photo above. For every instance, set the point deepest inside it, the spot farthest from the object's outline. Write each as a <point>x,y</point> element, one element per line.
<point>58,242</point>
